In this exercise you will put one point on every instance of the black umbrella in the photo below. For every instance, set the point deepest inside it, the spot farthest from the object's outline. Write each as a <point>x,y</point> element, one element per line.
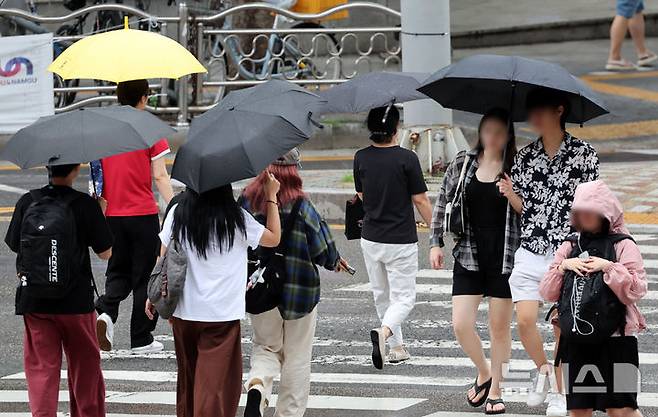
<point>84,135</point>
<point>244,133</point>
<point>373,89</point>
<point>481,82</point>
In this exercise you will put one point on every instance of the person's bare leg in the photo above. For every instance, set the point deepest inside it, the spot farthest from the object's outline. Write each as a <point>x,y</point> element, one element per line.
<point>636,28</point>
<point>581,413</point>
<point>500,318</point>
<point>527,313</point>
<point>464,317</point>
<point>623,412</point>
<point>618,31</point>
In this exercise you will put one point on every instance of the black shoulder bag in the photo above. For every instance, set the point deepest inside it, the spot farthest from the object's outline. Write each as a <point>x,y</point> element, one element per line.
<point>267,273</point>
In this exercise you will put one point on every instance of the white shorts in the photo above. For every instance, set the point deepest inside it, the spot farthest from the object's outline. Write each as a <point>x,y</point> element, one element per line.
<point>529,270</point>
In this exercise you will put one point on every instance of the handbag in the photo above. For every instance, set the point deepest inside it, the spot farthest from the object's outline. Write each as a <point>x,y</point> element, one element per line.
<point>354,218</point>
<point>165,286</point>
<point>453,220</point>
<point>267,270</point>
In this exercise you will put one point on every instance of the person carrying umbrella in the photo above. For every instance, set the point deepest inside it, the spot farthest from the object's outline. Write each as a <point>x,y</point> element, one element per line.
<point>544,174</point>
<point>544,178</point>
<point>50,231</point>
<point>390,182</point>
<point>484,253</point>
<point>215,234</point>
<point>132,214</point>
<point>283,336</point>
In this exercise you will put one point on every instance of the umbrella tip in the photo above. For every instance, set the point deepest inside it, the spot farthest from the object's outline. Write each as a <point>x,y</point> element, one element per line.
<point>125,22</point>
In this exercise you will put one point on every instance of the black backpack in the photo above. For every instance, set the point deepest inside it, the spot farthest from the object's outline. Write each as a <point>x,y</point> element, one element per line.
<point>271,263</point>
<point>588,310</point>
<point>50,255</point>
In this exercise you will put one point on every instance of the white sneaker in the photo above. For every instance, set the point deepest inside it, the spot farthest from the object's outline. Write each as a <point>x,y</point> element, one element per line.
<point>539,391</point>
<point>647,60</point>
<point>105,332</point>
<point>154,347</point>
<point>557,405</point>
<point>398,355</point>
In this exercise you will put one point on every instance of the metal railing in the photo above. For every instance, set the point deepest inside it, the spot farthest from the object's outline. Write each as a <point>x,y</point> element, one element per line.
<point>296,47</point>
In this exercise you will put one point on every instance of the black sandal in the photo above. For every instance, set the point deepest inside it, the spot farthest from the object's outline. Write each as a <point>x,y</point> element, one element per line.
<point>485,387</point>
<point>493,403</point>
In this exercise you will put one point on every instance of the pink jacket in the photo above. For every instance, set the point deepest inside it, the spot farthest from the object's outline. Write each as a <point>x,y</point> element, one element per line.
<point>626,277</point>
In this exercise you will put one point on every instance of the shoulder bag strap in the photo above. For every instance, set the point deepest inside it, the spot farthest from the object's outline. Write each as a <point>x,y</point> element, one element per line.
<point>460,182</point>
<point>289,224</point>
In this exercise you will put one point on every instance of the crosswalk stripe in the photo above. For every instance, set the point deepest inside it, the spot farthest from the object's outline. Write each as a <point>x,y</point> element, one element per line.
<point>319,342</point>
<point>106,415</point>
<point>443,289</point>
<point>648,249</point>
<point>646,359</point>
<point>463,414</point>
<point>444,274</point>
<point>319,378</point>
<point>324,402</point>
<point>644,399</point>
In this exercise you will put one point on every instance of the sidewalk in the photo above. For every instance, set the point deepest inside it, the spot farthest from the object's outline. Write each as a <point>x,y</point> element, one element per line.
<point>469,15</point>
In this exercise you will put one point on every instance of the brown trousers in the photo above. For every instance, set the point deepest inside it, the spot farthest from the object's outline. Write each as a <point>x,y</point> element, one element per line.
<point>209,357</point>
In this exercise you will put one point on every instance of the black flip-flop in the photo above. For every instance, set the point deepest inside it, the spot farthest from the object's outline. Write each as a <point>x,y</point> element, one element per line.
<point>492,403</point>
<point>486,386</point>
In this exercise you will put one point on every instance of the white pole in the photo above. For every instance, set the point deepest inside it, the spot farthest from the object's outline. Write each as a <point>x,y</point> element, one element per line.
<point>425,48</point>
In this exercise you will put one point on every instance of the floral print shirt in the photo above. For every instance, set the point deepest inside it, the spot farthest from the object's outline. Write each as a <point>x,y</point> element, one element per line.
<point>547,187</point>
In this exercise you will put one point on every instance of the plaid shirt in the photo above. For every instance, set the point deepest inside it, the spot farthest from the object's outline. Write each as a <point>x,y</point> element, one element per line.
<point>310,244</point>
<point>465,251</point>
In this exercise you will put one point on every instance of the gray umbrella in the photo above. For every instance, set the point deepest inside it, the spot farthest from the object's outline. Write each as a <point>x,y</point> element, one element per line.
<point>481,82</point>
<point>84,135</point>
<point>373,89</point>
<point>244,133</point>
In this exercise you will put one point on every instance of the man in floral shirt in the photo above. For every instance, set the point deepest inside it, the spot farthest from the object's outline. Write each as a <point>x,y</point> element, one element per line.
<point>544,178</point>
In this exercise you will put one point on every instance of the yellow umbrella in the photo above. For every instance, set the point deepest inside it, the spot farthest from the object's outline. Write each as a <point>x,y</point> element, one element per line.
<point>124,55</point>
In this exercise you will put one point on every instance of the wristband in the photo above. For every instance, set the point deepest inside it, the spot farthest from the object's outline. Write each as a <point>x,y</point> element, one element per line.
<point>272,201</point>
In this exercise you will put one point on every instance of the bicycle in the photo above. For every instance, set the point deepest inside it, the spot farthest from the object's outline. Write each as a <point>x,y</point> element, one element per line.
<point>293,56</point>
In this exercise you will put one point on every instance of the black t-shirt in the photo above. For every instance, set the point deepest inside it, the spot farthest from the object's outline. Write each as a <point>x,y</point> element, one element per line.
<point>92,232</point>
<point>388,177</point>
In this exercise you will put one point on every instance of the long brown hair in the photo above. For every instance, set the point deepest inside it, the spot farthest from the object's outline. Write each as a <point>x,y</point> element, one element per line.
<point>509,152</point>
<point>291,187</point>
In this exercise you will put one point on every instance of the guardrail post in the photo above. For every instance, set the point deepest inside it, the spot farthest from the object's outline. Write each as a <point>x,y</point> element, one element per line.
<point>200,53</point>
<point>425,48</point>
<point>183,82</point>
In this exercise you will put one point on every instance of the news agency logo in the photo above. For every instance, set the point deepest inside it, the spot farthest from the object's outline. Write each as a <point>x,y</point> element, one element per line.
<point>17,70</point>
<point>626,378</point>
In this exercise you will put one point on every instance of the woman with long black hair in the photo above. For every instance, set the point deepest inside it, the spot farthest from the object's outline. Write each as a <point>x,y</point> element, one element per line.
<point>484,255</point>
<point>215,232</point>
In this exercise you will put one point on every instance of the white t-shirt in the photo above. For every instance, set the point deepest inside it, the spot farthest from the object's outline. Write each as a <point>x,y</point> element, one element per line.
<point>215,287</point>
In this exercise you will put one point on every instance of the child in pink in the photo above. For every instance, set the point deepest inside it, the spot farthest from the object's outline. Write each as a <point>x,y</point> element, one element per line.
<point>597,213</point>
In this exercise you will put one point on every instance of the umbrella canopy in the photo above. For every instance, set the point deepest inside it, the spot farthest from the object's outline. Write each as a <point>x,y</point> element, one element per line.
<point>244,133</point>
<point>124,55</point>
<point>481,82</point>
<point>84,135</point>
<point>373,89</point>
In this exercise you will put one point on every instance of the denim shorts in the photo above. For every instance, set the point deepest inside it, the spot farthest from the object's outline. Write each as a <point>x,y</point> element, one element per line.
<point>629,8</point>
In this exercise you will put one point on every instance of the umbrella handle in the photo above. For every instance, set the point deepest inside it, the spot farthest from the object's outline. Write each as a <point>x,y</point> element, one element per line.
<point>314,122</point>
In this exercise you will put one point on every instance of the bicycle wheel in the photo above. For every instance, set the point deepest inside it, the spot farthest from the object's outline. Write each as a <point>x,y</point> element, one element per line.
<point>312,56</point>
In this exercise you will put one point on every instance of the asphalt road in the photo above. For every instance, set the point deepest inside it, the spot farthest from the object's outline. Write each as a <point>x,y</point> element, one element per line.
<point>343,382</point>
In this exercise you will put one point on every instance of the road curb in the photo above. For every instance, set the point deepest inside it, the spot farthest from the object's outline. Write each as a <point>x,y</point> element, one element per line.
<point>575,30</point>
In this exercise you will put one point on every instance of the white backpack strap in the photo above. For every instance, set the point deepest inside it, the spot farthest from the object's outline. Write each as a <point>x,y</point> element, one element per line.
<point>460,182</point>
